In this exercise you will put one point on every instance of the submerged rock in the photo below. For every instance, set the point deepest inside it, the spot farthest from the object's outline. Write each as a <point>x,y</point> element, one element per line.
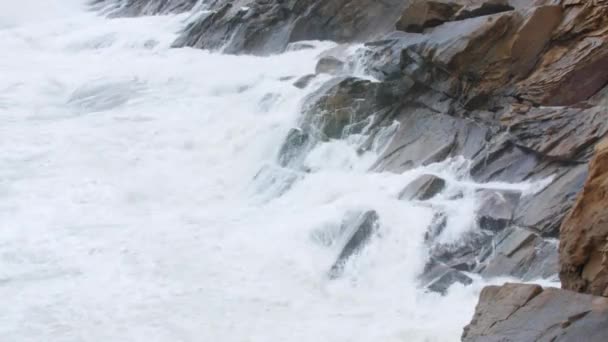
<point>293,148</point>
<point>304,81</point>
<point>361,232</point>
<point>329,65</point>
<point>439,278</point>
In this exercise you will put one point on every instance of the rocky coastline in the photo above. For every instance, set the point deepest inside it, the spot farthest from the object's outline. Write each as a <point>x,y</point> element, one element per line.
<point>518,87</point>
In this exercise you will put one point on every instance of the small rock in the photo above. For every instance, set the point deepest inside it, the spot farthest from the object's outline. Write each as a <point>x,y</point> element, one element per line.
<point>438,277</point>
<point>423,188</point>
<point>304,81</point>
<point>329,65</point>
<point>361,232</point>
<point>295,143</point>
<point>497,209</point>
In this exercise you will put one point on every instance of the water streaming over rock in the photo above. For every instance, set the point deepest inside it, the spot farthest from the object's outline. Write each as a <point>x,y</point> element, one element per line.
<point>142,197</point>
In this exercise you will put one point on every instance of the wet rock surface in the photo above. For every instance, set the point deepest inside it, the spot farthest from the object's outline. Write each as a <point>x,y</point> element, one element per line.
<point>268,26</point>
<point>438,277</point>
<point>584,233</point>
<point>518,312</point>
<point>359,233</point>
<point>423,188</point>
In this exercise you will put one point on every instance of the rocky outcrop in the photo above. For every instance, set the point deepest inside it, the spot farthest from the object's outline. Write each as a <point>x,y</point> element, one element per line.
<point>463,87</point>
<point>268,26</point>
<point>584,232</point>
<point>517,312</point>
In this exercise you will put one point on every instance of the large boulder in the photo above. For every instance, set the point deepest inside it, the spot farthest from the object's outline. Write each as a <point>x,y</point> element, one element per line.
<point>518,312</point>
<point>584,233</point>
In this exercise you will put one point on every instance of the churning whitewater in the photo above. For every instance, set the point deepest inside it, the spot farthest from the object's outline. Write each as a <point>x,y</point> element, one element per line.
<point>141,199</point>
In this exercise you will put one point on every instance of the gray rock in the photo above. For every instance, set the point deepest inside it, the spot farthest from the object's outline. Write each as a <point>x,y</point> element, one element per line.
<point>329,65</point>
<point>423,188</point>
<point>521,253</point>
<point>518,312</point>
<point>497,209</point>
<point>304,81</point>
<point>438,277</point>
<point>294,148</point>
<point>361,232</point>
<point>265,27</point>
<point>465,253</point>
<point>546,210</point>
<point>342,108</point>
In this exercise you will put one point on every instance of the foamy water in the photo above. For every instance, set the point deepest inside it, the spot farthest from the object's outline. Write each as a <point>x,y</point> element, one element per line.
<point>129,210</point>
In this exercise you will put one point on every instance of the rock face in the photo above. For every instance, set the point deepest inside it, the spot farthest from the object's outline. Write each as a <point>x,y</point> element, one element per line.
<point>268,26</point>
<point>584,232</point>
<point>470,85</point>
<point>517,312</point>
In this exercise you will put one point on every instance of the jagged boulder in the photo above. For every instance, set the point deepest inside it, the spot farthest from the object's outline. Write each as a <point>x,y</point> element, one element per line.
<point>584,233</point>
<point>518,312</point>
